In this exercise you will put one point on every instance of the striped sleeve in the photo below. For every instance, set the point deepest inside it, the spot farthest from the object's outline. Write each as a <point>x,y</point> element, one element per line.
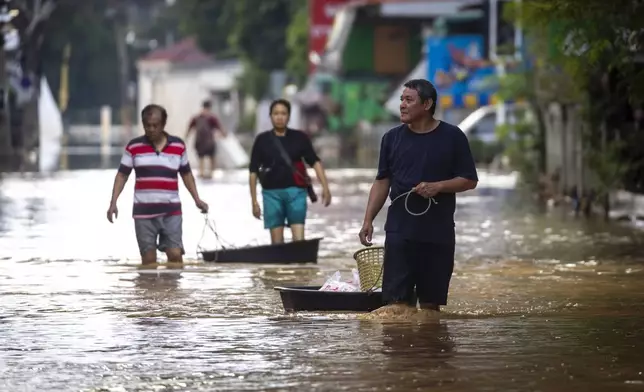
<point>184,164</point>
<point>127,162</point>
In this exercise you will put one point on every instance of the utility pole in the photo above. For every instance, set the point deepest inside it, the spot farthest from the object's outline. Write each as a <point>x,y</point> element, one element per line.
<point>119,13</point>
<point>6,148</point>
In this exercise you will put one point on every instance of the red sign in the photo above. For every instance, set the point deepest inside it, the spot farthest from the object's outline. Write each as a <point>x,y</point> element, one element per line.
<point>321,16</point>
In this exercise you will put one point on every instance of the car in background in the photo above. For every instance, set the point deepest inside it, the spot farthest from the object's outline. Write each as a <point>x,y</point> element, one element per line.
<point>481,128</point>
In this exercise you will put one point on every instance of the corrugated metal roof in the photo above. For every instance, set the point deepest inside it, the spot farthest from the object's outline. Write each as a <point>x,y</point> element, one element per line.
<point>183,52</point>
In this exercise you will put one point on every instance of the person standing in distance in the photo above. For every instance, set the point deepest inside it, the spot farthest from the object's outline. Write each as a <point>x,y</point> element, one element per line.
<point>157,158</point>
<point>206,126</point>
<point>276,159</point>
<point>432,159</point>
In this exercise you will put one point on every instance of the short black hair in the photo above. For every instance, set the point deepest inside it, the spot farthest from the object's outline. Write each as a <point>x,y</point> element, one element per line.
<point>149,109</point>
<point>206,104</point>
<point>280,101</point>
<point>425,90</point>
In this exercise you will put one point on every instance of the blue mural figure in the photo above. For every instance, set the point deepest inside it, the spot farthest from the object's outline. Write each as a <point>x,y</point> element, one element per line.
<point>457,67</point>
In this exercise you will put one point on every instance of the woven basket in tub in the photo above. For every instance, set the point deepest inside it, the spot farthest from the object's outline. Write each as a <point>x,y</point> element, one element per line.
<point>370,262</point>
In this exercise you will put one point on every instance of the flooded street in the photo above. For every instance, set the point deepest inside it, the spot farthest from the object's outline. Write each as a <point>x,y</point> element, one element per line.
<point>539,301</point>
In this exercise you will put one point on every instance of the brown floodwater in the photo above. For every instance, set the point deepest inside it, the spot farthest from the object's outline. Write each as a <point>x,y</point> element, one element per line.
<point>540,301</point>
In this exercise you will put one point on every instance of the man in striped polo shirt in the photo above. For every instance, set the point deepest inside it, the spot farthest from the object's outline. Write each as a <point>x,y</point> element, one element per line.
<point>157,158</point>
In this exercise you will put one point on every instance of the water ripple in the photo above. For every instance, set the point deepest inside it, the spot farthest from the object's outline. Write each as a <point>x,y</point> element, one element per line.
<point>537,302</point>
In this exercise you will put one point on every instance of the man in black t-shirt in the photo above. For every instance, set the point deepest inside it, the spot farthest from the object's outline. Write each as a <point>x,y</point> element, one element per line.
<point>422,161</point>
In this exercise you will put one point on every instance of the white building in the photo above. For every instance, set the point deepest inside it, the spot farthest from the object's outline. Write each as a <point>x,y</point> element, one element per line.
<point>180,77</point>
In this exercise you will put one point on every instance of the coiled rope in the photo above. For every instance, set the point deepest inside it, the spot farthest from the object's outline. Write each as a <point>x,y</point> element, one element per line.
<point>406,195</point>
<point>430,201</point>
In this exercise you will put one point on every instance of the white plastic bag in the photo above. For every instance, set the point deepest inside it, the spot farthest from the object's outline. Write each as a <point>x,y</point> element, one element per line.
<point>356,278</point>
<point>335,283</point>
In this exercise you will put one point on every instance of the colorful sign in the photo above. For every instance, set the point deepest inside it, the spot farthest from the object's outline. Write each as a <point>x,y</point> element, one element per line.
<point>321,17</point>
<point>460,71</point>
<point>359,101</point>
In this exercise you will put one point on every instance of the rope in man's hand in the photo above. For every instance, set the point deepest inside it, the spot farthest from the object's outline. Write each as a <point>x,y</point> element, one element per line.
<point>210,224</point>
<point>430,201</point>
<point>366,232</point>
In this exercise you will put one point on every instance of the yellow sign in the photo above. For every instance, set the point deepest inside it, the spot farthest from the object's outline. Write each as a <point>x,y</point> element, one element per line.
<point>470,100</point>
<point>446,101</point>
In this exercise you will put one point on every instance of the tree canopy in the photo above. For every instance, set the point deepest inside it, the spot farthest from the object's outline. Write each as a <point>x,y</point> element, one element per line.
<point>88,28</point>
<point>266,35</point>
<point>588,37</point>
<point>589,52</point>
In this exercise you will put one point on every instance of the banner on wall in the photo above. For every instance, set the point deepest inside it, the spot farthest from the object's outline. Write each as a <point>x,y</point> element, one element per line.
<point>460,71</point>
<point>321,16</point>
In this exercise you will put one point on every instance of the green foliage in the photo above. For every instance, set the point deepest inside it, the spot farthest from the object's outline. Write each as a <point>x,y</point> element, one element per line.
<point>247,123</point>
<point>259,33</point>
<point>254,80</point>
<point>520,140</point>
<point>266,35</point>
<point>93,67</point>
<point>355,101</point>
<point>485,152</point>
<point>607,166</point>
<point>297,64</point>
<point>210,21</point>
<point>575,45</point>
<point>585,37</point>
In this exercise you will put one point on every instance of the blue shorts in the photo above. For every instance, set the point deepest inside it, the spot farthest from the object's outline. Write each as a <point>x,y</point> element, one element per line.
<point>284,207</point>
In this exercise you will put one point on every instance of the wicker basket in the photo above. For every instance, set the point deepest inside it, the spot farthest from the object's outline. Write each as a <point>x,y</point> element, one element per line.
<point>370,261</point>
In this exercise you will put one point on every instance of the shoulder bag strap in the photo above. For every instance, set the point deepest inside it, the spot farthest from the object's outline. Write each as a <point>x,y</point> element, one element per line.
<point>285,157</point>
<point>282,151</point>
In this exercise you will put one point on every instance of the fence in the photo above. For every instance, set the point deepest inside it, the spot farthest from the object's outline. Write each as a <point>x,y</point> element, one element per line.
<point>94,116</point>
<point>96,127</point>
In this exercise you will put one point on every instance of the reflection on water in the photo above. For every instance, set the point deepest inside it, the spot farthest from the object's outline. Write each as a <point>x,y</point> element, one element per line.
<point>153,284</point>
<point>537,302</point>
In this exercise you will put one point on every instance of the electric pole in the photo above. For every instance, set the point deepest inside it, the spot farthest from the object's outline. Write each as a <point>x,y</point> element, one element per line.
<point>6,148</point>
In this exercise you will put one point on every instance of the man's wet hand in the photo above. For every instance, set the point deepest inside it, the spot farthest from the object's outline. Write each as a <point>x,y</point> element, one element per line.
<point>202,205</point>
<point>428,189</point>
<point>112,212</point>
<point>366,234</point>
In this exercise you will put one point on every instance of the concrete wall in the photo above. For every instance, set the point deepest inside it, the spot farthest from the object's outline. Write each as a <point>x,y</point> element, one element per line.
<point>90,135</point>
<point>564,149</point>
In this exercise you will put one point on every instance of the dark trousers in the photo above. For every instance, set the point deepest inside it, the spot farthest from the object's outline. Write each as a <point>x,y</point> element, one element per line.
<point>414,267</point>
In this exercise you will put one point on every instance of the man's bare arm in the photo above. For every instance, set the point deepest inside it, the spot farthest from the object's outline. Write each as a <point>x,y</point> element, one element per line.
<point>117,188</point>
<point>457,185</point>
<point>191,185</point>
<point>377,198</point>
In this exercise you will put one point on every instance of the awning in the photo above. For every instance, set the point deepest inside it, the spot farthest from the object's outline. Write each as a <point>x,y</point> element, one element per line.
<point>418,9</point>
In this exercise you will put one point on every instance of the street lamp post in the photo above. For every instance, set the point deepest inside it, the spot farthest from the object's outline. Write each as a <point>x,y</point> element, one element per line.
<point>6,148</point>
